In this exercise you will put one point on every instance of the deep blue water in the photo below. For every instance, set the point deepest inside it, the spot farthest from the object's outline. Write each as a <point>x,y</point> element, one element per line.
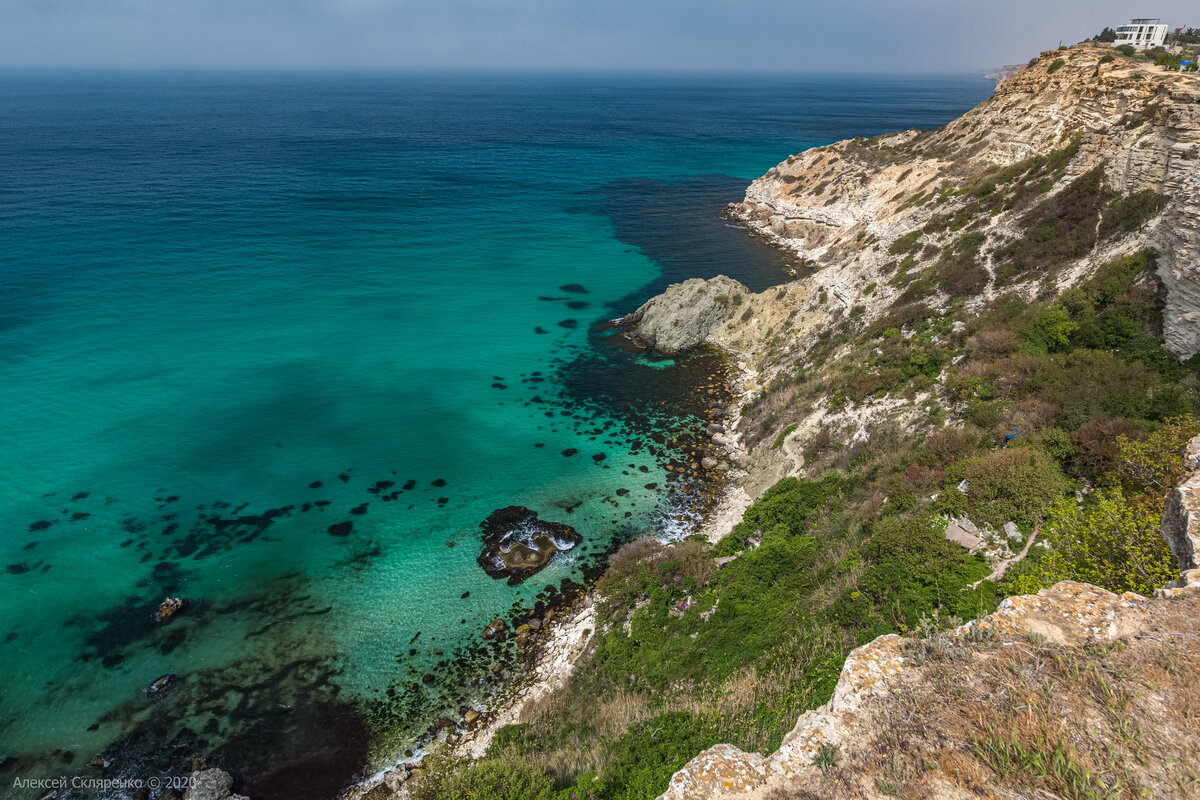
<point>225,297</point>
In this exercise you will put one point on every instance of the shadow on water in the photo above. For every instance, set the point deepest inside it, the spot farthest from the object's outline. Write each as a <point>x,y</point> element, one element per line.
<point>678,225</point>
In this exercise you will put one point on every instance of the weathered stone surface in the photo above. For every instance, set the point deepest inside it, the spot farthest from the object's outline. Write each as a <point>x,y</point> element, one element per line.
<point>721,769</point>
<point>211,784</point>
<point>1069,613</point>
<point>687,313</point>
<point>841,207</point>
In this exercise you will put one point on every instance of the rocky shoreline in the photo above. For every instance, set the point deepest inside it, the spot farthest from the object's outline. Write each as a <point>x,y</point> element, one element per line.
<point>564,633</point>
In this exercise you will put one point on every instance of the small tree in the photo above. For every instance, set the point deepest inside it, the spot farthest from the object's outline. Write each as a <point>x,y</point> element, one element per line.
<point>1017,484</point>
<point>1155,464</point>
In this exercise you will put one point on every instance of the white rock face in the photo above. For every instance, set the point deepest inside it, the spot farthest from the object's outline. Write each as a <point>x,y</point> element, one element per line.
<point>1181,519</point>
<point>841,207</point>
<point>687,313</point>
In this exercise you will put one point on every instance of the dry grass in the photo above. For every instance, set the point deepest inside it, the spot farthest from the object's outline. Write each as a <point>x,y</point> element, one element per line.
<point>1014,718</point>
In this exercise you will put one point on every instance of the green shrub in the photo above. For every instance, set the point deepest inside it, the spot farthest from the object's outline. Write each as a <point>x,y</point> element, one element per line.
<point>1016,484</point>
<point>915,569</point>
<point>906,243</point>
<point>642,761</point>
<point>1129,213</point>
<point>486,779</point>
<point>783,434</point>
<point>1057,230</point>
<point>1109,542</point>
<point>1055,66</point>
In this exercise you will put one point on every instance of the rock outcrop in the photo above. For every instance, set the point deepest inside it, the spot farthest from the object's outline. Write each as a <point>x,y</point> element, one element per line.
<point>516,544</point>
<point>845,207</point>
<point>1181,520</point>
<point>923,696</point>
<point>687,313</point>
<point>894,692</point>
<point>211,784</point>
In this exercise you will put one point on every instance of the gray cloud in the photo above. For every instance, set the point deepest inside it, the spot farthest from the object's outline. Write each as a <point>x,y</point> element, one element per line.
<point>771,35</point>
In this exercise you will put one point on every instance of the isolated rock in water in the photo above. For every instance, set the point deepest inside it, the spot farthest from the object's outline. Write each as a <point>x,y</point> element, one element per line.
<point>516,544</point>
<point>168,608</point>
<point>161,684</point>
<point>495,628</point>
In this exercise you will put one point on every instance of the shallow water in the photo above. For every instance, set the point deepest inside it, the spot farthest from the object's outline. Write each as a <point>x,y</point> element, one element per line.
<point>227,298</point>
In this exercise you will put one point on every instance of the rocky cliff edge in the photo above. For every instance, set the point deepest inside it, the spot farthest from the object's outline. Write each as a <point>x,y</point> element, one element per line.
<point>1074,691</point>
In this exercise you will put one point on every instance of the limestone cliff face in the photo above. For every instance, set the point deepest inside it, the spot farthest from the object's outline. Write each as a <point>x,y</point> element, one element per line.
<point>844,206</point>
<point>918,717</point>
<point>1181,519</point>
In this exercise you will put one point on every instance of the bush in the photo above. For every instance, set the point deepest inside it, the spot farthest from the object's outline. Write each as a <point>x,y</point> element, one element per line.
<point>1109,542</point>
<point>1129,213</point>
<point>1057,230</point>
<point>1098,445</point>
<point>952,444</point>
<point>915,570</point>
<point>1126,49</point>
<point>1055,66</point>
<point>784,508</point>
<point>1016,484</point>
<point>642,761</point>
<point>486,779</point>
<point>991,344</point>
<point>1155,464</point>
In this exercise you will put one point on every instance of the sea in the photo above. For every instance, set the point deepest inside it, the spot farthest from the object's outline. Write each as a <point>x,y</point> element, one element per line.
<point>279,343</point>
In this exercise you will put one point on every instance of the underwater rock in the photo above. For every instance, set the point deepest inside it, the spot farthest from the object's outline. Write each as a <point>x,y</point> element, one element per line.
<point>168,608</point>
<point>516,544</point>
<point>495,628</point>
<point>161,684</point>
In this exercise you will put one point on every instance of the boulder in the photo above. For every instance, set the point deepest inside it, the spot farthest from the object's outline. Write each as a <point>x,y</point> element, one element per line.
<point>708,462</point>
<point>211,784</point>
<point>516,544</point>
<point>168,608</point>
<point>161,684</point>
<point>495,628</point>
<point>686,314</point>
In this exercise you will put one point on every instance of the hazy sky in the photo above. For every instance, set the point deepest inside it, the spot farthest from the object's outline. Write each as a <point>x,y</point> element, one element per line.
<point>773,35</point>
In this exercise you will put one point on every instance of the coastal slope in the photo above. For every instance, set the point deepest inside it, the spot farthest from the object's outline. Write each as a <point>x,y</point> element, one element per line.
<point>931,216</point>
<point>973,405</point>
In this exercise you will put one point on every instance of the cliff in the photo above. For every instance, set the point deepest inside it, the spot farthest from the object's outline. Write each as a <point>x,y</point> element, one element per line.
<point>1076,162</point>
<point>967,405</point>
<point>1104,150</point>
<point>1074,691</point>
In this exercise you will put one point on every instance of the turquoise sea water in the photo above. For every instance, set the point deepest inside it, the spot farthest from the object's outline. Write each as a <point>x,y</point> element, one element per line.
<point>232,305</point>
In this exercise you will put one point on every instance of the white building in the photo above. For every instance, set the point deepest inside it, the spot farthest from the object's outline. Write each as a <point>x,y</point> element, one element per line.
<point>1142,33</point>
